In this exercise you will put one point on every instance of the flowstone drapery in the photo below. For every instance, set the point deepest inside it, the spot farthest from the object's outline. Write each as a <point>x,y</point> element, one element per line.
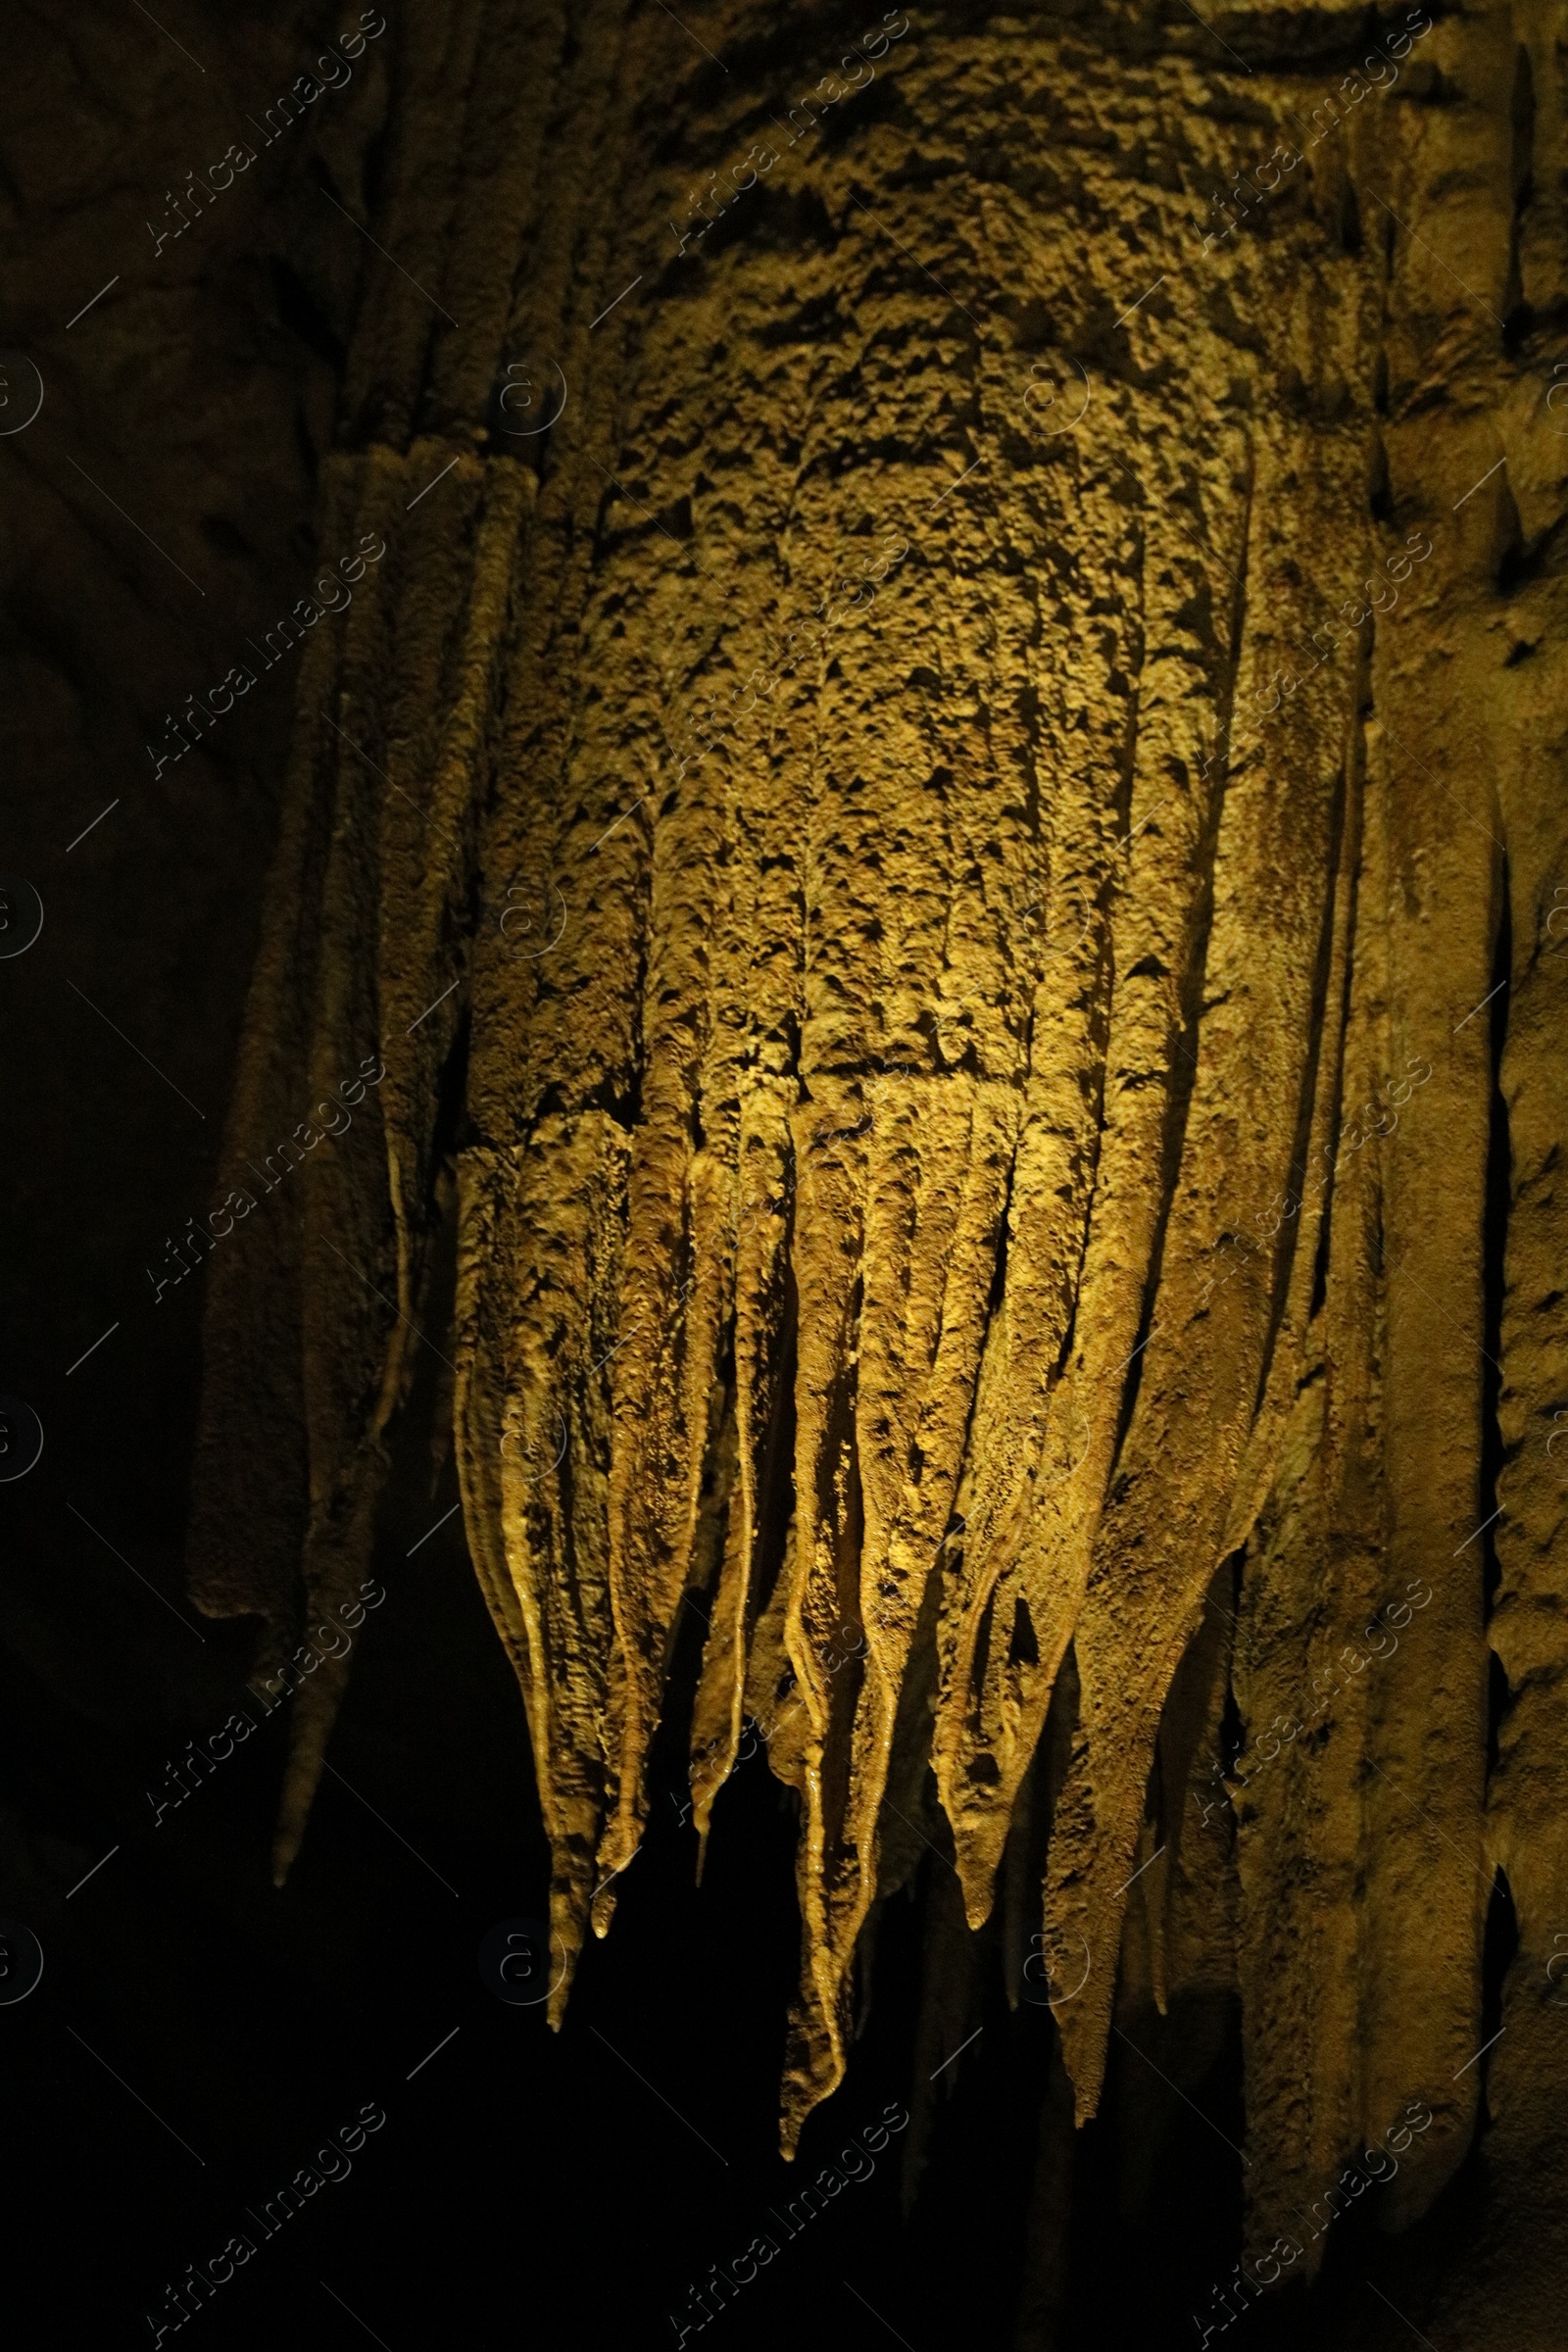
<point>947,809</point>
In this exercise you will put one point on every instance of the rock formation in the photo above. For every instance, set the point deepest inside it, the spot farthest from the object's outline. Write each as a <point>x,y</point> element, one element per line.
<point>945,815</point>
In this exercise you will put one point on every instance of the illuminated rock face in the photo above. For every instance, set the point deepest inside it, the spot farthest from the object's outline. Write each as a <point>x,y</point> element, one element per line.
<point>949,799</point>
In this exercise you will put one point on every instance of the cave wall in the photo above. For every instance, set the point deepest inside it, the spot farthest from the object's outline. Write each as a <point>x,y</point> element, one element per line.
<point>994,1098</point>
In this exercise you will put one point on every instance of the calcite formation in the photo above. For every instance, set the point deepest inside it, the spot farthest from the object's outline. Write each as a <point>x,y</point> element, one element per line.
<point>948,807</point>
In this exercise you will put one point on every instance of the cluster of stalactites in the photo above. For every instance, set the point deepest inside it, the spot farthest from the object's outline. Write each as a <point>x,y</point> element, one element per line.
<point>977,1176</point>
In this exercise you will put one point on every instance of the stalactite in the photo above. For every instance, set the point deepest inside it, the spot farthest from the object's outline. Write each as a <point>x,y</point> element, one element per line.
<point>974,1153</point>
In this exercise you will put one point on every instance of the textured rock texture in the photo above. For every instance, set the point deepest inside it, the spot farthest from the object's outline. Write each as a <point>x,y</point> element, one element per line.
<point>947,813</point>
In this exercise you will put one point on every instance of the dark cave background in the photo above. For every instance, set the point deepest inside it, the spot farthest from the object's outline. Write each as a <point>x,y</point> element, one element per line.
<point>197,2034</point>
